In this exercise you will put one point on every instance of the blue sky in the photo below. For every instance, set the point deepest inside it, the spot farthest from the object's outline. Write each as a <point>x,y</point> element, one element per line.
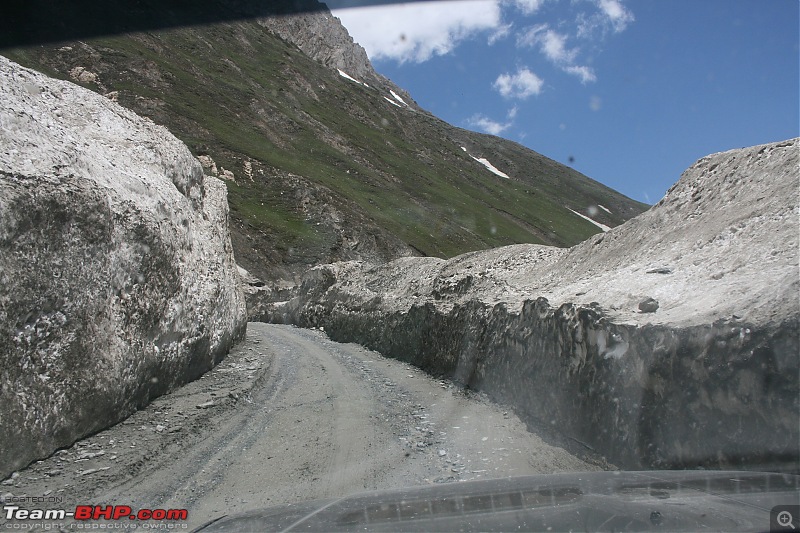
<point>633,92</point>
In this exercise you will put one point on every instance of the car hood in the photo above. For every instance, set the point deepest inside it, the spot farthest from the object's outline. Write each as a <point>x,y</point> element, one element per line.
<point>596,501</point>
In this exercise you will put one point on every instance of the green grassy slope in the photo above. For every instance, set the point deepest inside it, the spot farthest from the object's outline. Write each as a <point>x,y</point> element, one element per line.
<point>241,95</point>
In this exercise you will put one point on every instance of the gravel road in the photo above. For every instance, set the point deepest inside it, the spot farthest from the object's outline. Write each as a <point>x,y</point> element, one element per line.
<point>291,416</point>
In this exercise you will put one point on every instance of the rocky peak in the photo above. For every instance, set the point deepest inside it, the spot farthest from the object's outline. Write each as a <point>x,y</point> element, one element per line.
<point>321,36</point>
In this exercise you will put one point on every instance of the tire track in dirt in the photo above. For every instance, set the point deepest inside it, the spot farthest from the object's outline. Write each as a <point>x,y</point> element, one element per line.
<point>291,416</point>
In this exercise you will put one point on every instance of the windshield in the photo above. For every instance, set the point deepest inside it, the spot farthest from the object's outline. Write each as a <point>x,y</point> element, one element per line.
<point>256,256</point>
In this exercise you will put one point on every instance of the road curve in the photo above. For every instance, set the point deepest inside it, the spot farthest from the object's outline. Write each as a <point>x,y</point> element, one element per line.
<point>292,416</point>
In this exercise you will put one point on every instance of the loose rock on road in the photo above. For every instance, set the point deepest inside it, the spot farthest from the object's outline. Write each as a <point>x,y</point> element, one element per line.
<point>290,416</point>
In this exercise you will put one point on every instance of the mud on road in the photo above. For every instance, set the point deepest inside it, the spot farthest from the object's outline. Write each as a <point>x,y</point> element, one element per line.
<point>290,416</point>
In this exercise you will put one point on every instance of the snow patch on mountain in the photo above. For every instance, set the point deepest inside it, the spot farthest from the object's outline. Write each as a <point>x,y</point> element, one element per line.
<point>596,223</point>
<point>346,76</point>
<point>391,101</point>
<point>397,97</point>
<point>485,162</point>
<point>490,166</point>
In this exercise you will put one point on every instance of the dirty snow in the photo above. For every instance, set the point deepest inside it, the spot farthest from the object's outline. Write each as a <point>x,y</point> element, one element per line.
<point>719,237</point>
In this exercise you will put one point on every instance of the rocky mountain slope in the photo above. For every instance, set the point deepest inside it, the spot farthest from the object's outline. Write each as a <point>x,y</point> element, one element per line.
<point>117,275</point>
<point>669,341</point>
<point>324,159</point>
<point>320,35</point>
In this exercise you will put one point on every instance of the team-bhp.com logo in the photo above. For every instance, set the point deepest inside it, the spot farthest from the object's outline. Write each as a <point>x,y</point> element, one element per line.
<point>94,512</point>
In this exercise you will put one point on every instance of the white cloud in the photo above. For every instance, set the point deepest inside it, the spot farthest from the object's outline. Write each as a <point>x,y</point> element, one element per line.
<point>586,74</point>
<point>554,47</point>
<point>529,7</point>
<point>420,30</point>
<point>587,25</point>
<point>611,16</point>
<point>520,85</point>
<point>552,44</point>
<point>616,14</point>
<point>488,125</point>
<point>501,32</point>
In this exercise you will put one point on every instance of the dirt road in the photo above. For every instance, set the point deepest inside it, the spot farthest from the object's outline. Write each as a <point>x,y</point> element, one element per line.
<point>289,416</point>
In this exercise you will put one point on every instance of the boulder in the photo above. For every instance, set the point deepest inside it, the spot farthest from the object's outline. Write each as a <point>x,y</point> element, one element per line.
<point>117,275</point>
<point>571,339</point>
<point>648,305</point>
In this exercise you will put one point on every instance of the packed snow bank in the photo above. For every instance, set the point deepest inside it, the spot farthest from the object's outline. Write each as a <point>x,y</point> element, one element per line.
<point>117,276</point>
<point>668,341</point>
